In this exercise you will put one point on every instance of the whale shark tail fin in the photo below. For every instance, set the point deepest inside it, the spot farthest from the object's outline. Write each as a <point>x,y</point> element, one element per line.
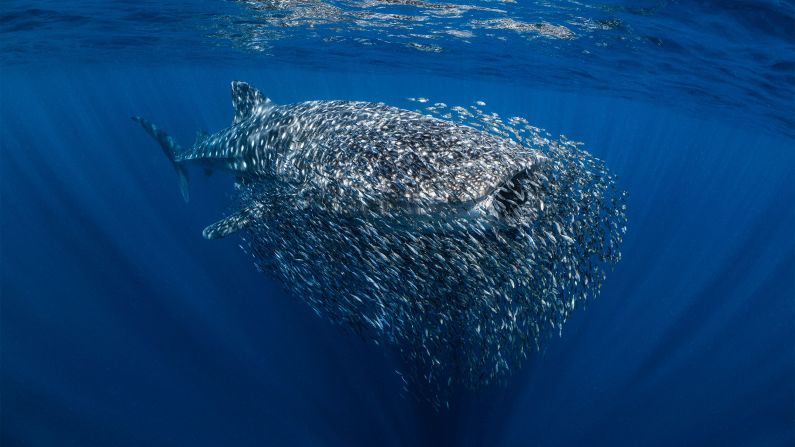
<point>171,149</point>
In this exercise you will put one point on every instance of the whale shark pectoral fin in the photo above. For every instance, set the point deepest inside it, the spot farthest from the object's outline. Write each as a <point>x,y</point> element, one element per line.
<point>246,100</point>
<point>234,222</point>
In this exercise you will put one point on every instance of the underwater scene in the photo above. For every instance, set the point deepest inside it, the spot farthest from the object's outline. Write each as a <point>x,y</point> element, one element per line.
<point>397,223</point>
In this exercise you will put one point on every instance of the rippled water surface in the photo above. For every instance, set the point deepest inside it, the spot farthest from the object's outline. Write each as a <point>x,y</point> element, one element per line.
<point>120,325</point>
<point>735,55</point>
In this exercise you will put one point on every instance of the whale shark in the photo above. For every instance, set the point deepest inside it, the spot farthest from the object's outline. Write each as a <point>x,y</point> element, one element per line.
<point>380,156</point>
<point>462,244</point>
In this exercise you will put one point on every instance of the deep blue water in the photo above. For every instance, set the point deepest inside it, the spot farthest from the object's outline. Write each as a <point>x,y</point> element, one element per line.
<point>121,325</point>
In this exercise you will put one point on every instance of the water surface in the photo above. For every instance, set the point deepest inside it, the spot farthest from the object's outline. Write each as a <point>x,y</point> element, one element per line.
<point>122,326</point>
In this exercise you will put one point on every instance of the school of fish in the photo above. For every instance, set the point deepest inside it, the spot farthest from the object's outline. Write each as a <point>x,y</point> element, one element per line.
<point>459,238</point>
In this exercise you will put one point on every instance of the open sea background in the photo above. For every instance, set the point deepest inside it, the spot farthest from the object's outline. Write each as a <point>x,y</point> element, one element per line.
<point>121,326</point>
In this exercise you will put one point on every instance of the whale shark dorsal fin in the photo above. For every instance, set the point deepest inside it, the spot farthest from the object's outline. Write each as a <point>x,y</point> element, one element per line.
<point>246,100</point>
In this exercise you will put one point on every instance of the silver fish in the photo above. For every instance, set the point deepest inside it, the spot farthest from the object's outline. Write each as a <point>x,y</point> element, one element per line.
<point>450,241</point>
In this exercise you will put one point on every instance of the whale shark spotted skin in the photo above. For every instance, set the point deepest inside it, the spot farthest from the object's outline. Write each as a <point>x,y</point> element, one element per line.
<point>460,245</point>
<point>389,154</point>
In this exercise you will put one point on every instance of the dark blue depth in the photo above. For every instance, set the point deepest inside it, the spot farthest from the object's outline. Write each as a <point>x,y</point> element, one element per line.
<point>121,326</point>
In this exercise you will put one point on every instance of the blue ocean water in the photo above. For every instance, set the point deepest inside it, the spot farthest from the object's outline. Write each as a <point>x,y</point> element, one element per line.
<point>120,325</point>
